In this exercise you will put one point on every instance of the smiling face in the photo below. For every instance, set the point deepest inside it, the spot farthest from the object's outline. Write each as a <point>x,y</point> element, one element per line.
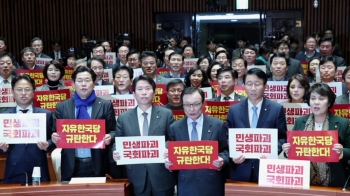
<point>296,91</point>
<point>196,78</point>
<point>313,65</point>
<point>318,104</point>
<point>122,81</point>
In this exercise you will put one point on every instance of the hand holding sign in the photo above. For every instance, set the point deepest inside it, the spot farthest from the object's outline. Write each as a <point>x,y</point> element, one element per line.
<point>4,146</point>
<point>338,148</point>
<point>107,139</point>
<point>219,162</point>
<point>116,156</point>
<point>239,159</point>
<point>55,137</point>
<point>286,147</point>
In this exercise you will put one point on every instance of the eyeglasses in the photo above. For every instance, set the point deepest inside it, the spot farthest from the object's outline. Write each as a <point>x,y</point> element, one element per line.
<point>251,84</point>
<point>25,90</point>
<point>173,90</point>
<point>194,105</point>
<point>123,52</point>
<point>37,46</point>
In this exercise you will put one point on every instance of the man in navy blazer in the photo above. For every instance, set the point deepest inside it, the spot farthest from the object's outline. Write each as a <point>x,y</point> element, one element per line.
<point>201,181</point>
<point>269,115</point>
<point>22,158</point>
<point>97,64</point>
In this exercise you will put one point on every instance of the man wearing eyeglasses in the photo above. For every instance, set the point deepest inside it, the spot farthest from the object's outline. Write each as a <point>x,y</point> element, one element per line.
<point>176,62</point>
<point>222,57</point>
<point>122,79</point>
<point>22,158</point>
<point>99,51</point>
<point>97,65</point>
<point>149,67</point>
<point>197,126</point>
<point>227,78</point>
<point>174,89</point>
<point>255,112</point>
<point>84,105</point>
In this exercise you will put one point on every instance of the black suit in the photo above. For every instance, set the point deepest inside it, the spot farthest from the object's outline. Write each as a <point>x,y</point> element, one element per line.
<point>53,56</point>
<point>101,109</point>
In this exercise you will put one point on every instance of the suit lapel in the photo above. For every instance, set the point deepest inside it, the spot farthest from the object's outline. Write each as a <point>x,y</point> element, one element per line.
<point>134,122</point>
<point>245,113</point>
<point>206,132</point>
<point>183,130</point>
<point>70,108</point>
<point>96,106</point>
<point>333,123</point>
<point>264,111</point>
<point>155,118</point>
<point>12,110</point>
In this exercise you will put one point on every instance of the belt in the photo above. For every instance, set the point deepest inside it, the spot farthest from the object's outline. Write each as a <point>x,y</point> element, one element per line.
<point>85,160</point>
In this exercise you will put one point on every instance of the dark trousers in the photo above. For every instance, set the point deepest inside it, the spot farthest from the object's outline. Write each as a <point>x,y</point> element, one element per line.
<point>117,171</point>
<point>149,190</point>
<point>83,169</point>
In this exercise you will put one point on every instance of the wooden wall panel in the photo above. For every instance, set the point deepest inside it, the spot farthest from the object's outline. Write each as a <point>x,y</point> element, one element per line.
<point>21,20</point>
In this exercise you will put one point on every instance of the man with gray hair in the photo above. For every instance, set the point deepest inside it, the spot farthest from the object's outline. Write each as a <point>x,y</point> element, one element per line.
<point>38,45</point>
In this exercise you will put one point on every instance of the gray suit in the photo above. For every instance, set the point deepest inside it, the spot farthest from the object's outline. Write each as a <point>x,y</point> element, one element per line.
<point>294,67</point>
<point>167,75</point>
<point>342,99</point>
<point>161,80</point>
<point>42,55</point>
<point>158,175</point>
<point>46,87</point>
<point>237,98</point>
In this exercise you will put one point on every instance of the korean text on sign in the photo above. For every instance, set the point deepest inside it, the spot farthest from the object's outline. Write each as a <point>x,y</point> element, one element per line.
<point>315,146</point>
<point>284,173</point>
<point>49,99</point>
<point>253,143</point>
<point>140,150</point>
<point>22,128</point>
<point>193,154</point>
<point>80,133</point>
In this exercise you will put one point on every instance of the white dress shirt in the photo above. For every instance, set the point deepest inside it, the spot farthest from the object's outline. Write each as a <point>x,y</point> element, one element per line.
<point>199,127</point>
<point>30,109</point>
<point>141,118</point>
<point>232,95</point>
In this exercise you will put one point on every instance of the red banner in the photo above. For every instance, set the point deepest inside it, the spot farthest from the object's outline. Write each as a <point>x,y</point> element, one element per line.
<point>315,146</point>
<point>217,109</point>
<point>193,154</point>
<point>68,71</point>
<point>49,99</point>
<point>215,86</point>
<point>161,71</point>
<point>240,90</point>
<point>160,97</point>
<point>80,133</point>
<point>178,114</point>
<point>341,110</point>
<point>37,76</point>
<point>305,65</point>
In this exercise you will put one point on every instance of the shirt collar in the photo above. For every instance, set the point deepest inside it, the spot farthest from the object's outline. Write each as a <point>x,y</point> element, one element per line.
<point>198,120</point>
<point>30,108</point>
<point>140,112</point>
<point>232,96</point>
<point>250,105</point>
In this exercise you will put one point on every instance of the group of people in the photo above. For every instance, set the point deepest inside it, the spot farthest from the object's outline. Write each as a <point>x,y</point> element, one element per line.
<point>253,111</point>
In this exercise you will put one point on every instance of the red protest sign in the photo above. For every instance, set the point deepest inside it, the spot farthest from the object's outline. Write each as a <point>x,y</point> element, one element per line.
<point>240,90</point>
<point>193,154</point>
<point>341,110</point>
<point>217,109</point>
<point>178,114</point>
<point>315,146</point>
<point>161,71</point>
<point>305,66</point>
<point>37,75</point>
<point>160,97</point>
<point>49,99</point>
<point>215,86</point>
<point>80,133</point>
<point>68,72</point>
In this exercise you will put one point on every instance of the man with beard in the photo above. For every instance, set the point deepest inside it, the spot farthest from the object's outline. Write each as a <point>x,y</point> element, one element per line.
<point>176,62</point>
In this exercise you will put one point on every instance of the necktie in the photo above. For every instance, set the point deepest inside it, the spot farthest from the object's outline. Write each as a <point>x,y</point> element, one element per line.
<point>194,134</point>
<point>56,55</point>
<point>255,117</point>
<point>145,124</point>
<point>227,98</point>
<point>24,111</point>
<point>5,81</point>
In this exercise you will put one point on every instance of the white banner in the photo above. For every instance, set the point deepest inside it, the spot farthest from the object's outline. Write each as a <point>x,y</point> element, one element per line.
<point>208,92</point>
<point>108,75</point>
<point>140,149</point>
<point>284,173</point>
<point>137,72</point>
<point>253,143</point>
<point>276,90</point>
<point>7,99</point>
<point>22,128</point>
<point>190,62</point>
<point>42,61</point>
<point>121,103</point>
<point>294,111</point>
<point>110,58</point>
<point>102,90</point>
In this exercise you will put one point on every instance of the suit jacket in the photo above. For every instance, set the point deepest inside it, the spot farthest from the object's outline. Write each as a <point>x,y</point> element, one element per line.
<point>167,75</point>
<point>202,181</point>
<point>101,109</point>
<point>237,98</point>
<point>342,99</point>
<point>271,116</point>
<point>294,67</point>
<point>46,87</point>
<point>42,55</point>
<point>302,57</point>
<point>208,54</point>
<point>52,55</point>
<point>36,67</point>
<point>127,125</point>
<point>286,78</point>
<point>106,83</point>
<point>24,157</point>
<point>161,80</point>
<point>338,171</point>
<point>237,53</point>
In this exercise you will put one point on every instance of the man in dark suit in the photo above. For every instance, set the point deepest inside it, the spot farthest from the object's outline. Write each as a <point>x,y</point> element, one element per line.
<point>28,57</point>
<point>176,63</point>
<point>327,48</point>
<point>255,112</point>
<point>227,78</point>
<point>149,67</point>
<point>38,45</point>
<point>211,46</point>
<point>279,67</point>
<point>99,51</point>
<point>22,158</point>
<point>174,89</point>
<point>241,45</point>
<point>56,52</point>
<point>147,179</point>
<point>97,65</point>
<point>6,71</point>
<point>122,80</point>
<point>3,47</point>
<point>294,66</point>
<point>85,105</point>
<point>201,181</point>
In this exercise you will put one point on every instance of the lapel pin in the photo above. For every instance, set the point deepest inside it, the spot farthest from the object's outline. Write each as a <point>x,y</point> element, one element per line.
<point>208,131</point>
<point>157,117</point>
<point>265,109</point>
